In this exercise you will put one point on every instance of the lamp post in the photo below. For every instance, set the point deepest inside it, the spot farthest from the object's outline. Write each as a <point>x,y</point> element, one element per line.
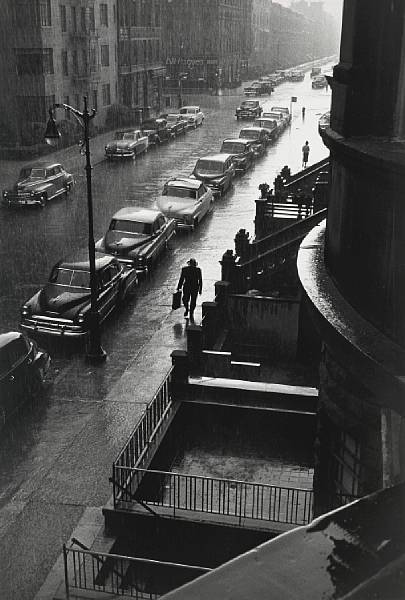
<point>94,352</point>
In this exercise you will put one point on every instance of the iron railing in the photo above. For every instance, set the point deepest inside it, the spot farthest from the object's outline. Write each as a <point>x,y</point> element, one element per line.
<point>139,578</point>
<point>143,435</point>
<point>233,498</point>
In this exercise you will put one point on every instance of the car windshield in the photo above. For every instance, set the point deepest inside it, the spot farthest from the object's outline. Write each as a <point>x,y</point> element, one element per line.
<point>180,192</point>
<point>131,226</point>
<point>172,118</point>
<point>119,135</point>
<point>251,134</point>
<point>267,124</point>
<point>71,278</point>
<point>188,111</point>
<point>128,136</point>
<point>232,147</point>
<point>209,166</point>
<point>248,104</point>
<point>33,173</point>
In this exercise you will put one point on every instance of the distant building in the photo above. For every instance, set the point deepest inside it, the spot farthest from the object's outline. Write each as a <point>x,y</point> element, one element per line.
<point>206,43</point>
<point>54,52</point>
<point>141,70</point>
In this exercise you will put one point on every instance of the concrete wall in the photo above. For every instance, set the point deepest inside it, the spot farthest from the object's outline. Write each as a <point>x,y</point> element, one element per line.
<point>269,322</point>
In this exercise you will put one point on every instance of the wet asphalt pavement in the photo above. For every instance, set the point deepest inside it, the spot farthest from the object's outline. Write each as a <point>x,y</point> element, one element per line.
<point>56,456</point>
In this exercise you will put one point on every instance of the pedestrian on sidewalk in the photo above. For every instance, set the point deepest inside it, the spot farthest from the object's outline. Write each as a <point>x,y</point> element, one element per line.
<point>303,112</point>
<point>305,154</point>
<point>191,283</point>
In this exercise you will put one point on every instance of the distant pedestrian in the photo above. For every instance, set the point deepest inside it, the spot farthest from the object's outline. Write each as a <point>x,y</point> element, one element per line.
<point>305,155</point>
<point>303,112</point>
<point>191,283</point>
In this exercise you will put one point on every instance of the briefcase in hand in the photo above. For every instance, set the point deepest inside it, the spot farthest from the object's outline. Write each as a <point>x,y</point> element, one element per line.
<point>176,301</point>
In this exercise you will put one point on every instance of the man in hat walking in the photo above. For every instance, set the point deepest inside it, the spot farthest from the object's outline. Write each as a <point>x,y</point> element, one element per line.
<point>191,283</point>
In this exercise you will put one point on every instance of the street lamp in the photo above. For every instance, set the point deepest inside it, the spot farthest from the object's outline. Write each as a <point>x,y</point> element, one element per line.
<point>94,352</point>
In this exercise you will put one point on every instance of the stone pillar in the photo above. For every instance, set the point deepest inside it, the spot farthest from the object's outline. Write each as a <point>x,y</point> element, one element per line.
<point>194,346</point>
<point>242,244</point>
<point>260,218</point>
<point>209,323</point>
<point>181,368</point>
<point>228,266</point>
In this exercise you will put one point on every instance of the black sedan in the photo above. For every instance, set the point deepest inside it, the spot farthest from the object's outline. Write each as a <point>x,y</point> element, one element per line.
<point>23,367</point>
<point>241,152</point>
<point>157,131</point>
<point>62,306</point>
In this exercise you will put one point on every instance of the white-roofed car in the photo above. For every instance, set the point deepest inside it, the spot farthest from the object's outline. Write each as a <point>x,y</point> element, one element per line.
<point>137,236</point>
<point>193,114</point>
<point>216,171</point>
<point>127,144</point>
<point>187,200</point>
<point>258,137</point>
<point>272,126</point>
<point>284,111</point>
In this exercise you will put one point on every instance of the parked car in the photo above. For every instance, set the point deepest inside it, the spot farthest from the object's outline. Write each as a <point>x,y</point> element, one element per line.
<point>157,131</point>
<point>62,306</point>
<point>284,111</point>
<point>127,144</point>
<point>319,82</point>
<point>255,89</point>
<point>176,124</point>
<point>324,122</point>
<point>241,152</point>
<point>137,236</point>
<point>297,76</point>
<point>278,117</point>
<point>257,136</point>
<point>23,367</point>
<point>216,171</point>
<point>186,200</point>
<point>249,109</point>
<point>272,126</point>
<point>315,72</point>
<point>37,183</point>
<point>193,115</point>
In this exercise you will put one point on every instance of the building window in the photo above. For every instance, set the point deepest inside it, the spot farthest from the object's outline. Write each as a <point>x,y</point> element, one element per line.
<point>83,18</point>
<point>75,61</point>
<point>45,18</point>
<point>92,21</point>
<point>93,59</point>
<point>105,56</point>
<point>74,18</point>
<point>25,15</point>
<point>65,67</point>
<point>94,99</point>
<point>48,61</point>
<point>104,15</point>
<point>114,13</point>
<point>106,94</point>
<point>63,21</point>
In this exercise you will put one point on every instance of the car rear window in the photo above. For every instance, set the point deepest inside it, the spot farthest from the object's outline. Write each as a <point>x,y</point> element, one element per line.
<point>233,147</point>
<point>249,133</point>
<point>267,123</point>
<point>209,166</point>
<point>180,192</point>
<point>131,226</point>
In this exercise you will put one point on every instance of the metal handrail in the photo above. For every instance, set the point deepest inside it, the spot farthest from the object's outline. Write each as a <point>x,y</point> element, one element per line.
<point>230,497</point>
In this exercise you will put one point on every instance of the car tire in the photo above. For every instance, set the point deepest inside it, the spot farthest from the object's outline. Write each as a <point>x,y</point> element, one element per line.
<point>68,189</point>
<point>36,385</point>
<point>43,200</point>
<point>195,223</point>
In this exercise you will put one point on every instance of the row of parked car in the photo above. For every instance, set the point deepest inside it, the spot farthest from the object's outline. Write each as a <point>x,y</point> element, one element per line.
<point>43,181</point>
<point>265,85</point>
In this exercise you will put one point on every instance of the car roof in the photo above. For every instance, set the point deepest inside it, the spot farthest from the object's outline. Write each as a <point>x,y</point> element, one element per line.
<point>127,130</point>
<point>10,336</point>
<point>218,157</point>
<point>102,260</point>
<point>133,213</point>
<point>41,165</point>
<point>185,182</point>
<point>191,106</point>
<point>239,140</point>
<point>252,128</point>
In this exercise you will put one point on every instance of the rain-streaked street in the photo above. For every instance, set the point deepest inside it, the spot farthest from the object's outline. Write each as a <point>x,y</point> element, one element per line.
<point>55,456</point>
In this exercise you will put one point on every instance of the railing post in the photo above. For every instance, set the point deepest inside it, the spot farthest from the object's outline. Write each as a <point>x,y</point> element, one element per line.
<point>194,345</point>
<point>65,566</point>
<point>209,324</point>
<point>228,266</point>
<point>260,218</point>
<point>181,369</point>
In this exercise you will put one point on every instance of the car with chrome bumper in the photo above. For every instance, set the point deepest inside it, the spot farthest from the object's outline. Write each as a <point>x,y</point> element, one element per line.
<point>176,124</point>
<point>127,144</point>
<point>193,115</point>
<point>217,171</point>
<point>186,200</point>
<point>62,307</point>
<point>249,109</point>
<point>137,236</point>
<point>38,183</point>
<point>157,131</point>
<point>258,138</point>
<point>23,368</point>
<point>241,152</point>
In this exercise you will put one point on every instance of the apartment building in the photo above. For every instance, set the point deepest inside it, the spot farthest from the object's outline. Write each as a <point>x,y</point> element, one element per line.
<point>55,52</point>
